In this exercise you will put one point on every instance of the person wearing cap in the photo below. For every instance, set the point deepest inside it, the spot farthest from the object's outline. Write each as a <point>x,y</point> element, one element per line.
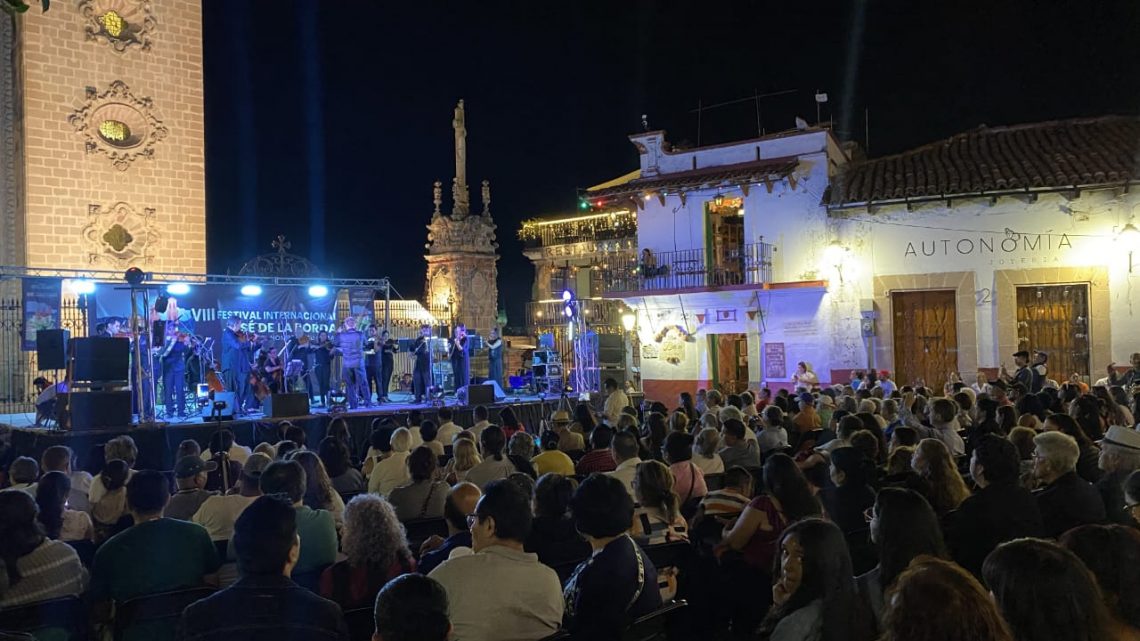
<point>886,384</point>
<point>219,513</point>
<point>825,407</point>
<point>1040,369</point>
<point>1119,457</point>
<point>190,477</point>
<point>1024,373</point>
<point>568,441</point>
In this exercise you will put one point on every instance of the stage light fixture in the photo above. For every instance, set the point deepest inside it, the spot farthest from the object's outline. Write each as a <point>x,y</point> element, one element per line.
<point>134,276</point>
<point>161,303</point>
<point>251,290</point>
<point>81,286</point>
<point>567,295</point>
<point>178,289</point>
<point>318,291</point>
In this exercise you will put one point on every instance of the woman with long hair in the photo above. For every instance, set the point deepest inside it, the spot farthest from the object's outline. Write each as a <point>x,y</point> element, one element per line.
<point>376,546</point>
<point>345,478</point>
<point>658,519</point>
<point>1112,554</point>
<point>464,456</point>
<point>33,567</point>
<point>688,407</point>
<point>850,472</point>
<point>903,527</point>
<point>935,600</point>
<point>814,595</point>
<point>584,421</point>
<point>653,439</point>
<point>424,496</point>
<point>509,423</point>
<point>1086,409</point>
<point>319,492</point>
<point>58,520</point>
<point>944,487</point>
<point>1045,593</point>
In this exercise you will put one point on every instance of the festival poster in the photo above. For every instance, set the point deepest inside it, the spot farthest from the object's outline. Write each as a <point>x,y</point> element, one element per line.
<point>360,305</point>
<point>41,304</point>
<point>775,361</point>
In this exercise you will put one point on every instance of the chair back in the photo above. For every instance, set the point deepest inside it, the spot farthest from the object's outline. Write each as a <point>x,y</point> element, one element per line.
<point>361,624</point>
<point>561,635</point>
<point>714,481</point>
<point>654,626</point>
<point>85,550</point>
<point>68,614</point>
<point>420,530</point>
<point>153,608</point>
<point>668,555</point>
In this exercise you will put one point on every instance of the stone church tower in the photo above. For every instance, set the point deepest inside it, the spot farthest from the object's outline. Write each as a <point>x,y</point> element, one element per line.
<point>101,136</point>
<point>462,252</point>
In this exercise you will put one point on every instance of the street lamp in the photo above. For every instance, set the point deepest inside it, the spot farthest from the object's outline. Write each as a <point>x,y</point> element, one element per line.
<point>1130,236</point>
<point>628,320</point>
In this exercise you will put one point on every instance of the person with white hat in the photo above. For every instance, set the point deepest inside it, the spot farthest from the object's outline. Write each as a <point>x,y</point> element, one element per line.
<point>1119,457</point>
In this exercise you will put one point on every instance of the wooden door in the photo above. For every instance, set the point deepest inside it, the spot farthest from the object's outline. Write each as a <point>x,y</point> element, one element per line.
<point>730,364</point>
<point>1055,319</point>
<point>926,336</point>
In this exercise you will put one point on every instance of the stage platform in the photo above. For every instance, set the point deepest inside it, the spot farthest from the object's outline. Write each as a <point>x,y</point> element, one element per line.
<point>157,443</point>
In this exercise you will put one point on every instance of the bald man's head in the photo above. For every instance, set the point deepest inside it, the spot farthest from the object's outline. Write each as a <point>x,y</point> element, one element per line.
<point>461,501</point>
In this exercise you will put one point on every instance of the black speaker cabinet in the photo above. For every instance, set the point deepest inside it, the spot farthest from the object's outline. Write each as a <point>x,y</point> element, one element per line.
<point>480,394</point>
<point>286,405</point>
<point>99,358</point>
<point>98,410</point>
<point>51,348</point>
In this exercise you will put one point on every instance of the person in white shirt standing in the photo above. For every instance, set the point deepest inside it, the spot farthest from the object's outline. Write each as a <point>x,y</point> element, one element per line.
<point>526,602</point>
<point>616,401</point>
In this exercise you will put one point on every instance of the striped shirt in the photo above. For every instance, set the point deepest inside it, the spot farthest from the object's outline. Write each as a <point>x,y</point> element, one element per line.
<point>50,571</point>
<point>724,503</point>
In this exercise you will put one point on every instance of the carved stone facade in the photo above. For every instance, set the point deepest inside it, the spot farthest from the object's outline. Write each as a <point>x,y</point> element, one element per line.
<point>111,97</point>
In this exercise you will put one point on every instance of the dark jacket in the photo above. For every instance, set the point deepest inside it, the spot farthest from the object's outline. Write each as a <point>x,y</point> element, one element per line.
<point>992,515</point>
<point>556,541</point>
<point>431,560</point>
<point>263,608</point>
<point>609,590</point>
<point>1111,488</point>
<point>1068,502</point>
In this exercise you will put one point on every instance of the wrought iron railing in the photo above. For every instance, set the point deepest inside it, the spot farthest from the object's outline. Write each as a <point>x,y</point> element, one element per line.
<point>692,269</point>
<point>18,368</point>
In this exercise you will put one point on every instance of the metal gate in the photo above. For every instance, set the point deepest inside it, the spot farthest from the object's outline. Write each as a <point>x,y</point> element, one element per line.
<point>19,368</point>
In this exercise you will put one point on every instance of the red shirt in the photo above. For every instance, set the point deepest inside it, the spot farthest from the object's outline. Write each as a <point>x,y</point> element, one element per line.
<point>596,461</point>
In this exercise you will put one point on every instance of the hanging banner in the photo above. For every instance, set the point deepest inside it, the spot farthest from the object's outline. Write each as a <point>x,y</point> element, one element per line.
<point>41,303</point>
<point>360,306</point>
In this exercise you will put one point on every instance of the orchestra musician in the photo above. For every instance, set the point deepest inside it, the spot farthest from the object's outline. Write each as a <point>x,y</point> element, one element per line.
<point>322,362</point>
<point>350,347</point>
<point>460,358</point>
<point>388,349</point>
<point>174,375</point>
<point>372,364</point>
<point>235,363</point>
<point>272,371</point>
<point>46,399</point>
<point>421,371</point>
<point>495,357</point>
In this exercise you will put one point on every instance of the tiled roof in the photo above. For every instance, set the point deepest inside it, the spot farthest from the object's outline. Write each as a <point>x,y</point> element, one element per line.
<point>1057,154</point>
<point>741,173</point>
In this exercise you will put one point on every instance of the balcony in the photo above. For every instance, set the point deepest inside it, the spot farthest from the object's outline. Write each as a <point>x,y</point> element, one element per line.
<point>596,311</point>
<point>690,269</point>
<point>590,228</point>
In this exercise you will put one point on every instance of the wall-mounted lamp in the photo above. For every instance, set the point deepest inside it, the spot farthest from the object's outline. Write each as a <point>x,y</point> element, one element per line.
<point>628,320</point>
<point>1129,235</point>
<point>718,199</point>
<point>835,255</point>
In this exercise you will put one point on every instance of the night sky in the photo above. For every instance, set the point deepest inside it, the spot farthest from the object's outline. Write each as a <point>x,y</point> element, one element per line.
<point>328,121</point>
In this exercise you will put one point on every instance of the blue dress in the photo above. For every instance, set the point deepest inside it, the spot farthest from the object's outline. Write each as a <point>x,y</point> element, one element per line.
<point>495,360</point>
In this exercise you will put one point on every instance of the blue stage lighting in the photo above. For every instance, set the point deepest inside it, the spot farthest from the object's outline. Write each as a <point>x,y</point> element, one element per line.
<point>82,287</point>
<point>251,290</point>
<point>318,291</point>
<point>567,295</point>
<point>178,289</point>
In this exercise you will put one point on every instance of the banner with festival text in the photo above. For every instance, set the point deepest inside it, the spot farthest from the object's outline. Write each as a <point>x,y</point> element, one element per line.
<point>41,306</point>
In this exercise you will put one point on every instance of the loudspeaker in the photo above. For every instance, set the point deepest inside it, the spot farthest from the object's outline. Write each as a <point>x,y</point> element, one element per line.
<point>476,394</point>
<point>611,349</point>
<point>220,397</point>
<point>98,358</point>
<point>98,410</point>
<point>614,373</point>
<point>51,348</point>
<point>286,405</point>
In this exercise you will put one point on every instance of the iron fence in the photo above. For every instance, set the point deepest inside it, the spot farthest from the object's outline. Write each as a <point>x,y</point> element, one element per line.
<point>18,368</point>
<point>692,269</point>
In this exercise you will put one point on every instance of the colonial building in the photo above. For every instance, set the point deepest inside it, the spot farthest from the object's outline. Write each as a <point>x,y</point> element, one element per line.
<point>765,253</point>
<point>101,136</point>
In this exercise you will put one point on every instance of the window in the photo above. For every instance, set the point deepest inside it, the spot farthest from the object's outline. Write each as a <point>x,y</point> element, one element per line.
<point>112,23</point>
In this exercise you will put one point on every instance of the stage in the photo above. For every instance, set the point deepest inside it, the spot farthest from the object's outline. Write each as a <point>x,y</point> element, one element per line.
<point>157,443</point>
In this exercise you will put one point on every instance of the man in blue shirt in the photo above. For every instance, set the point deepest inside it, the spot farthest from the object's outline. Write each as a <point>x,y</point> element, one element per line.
<point>461,501</point>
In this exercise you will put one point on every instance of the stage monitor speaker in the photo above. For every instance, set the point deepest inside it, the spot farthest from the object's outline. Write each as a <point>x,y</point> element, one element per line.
<point>99,358</point>
<point>51,348</point>
<point>618,374</point>
<point>99,410</point>
<point>286,405</point>
<point>477,394</point>
<point>226,413</point>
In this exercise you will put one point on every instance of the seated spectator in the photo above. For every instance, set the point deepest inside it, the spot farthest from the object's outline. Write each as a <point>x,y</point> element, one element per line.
<point>526,602</point>
<point>903,527</point>
<point>1132,495</point>
<point>461,501</point>
<point>736,450</point>
<point>425,495</point>
<point>120,448</point>
<point>688,479</point>
<point>852,495</point>
<point>773,435</point>
<point>705,449</point>
<point>240,453</point>
<point>59,521</point>
<point>481,415</point>
<point>188,447</point>
<point>379,444</point>
<point>1065,500</point>
<point>447,429</point>
<point>614,585</point>
<point>59,458</point>
<point>1119,457</point>
<point>552,459</point>
<point>658,518</point>
<point>391,471</point>
<point>430,435</point>
<point>1111,553</point>
<point>625,449</point>
<point>1088,457</point>
<point>376,549</point>
<point>227,469</point>
<point>345,478</point>
<point>22,475</point>
<point>1022,439</point>
<point>295,434</point>
<point>568,439</point>
<point>32,566</point>
<point>552,534</point>
<point>678,422</point>
<point>1045,592</point>
<point>412,608</point>
<point>599,458</point>
<point>944,486</point>
<point>730,500</point>
<point>520,450</point>
<point>264,604</point>
<point>154,555</point>
<point>814,596</point>
<point>219,513</point>
<point>903,436</point>
<point>495,465</point>
<point>283,450</point>
<point>1001,510</point>
<point>319,492</point>
<point>110,509</point>
<point>935,600</point>
<point>509,423</point>
<point>944,420</point>
<point>317,528</point>
<point>464,457</point>
<point>653,437</point>
<point>190,477</point>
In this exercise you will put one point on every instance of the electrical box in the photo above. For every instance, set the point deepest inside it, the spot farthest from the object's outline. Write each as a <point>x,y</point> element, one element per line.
<point>867,326</point>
